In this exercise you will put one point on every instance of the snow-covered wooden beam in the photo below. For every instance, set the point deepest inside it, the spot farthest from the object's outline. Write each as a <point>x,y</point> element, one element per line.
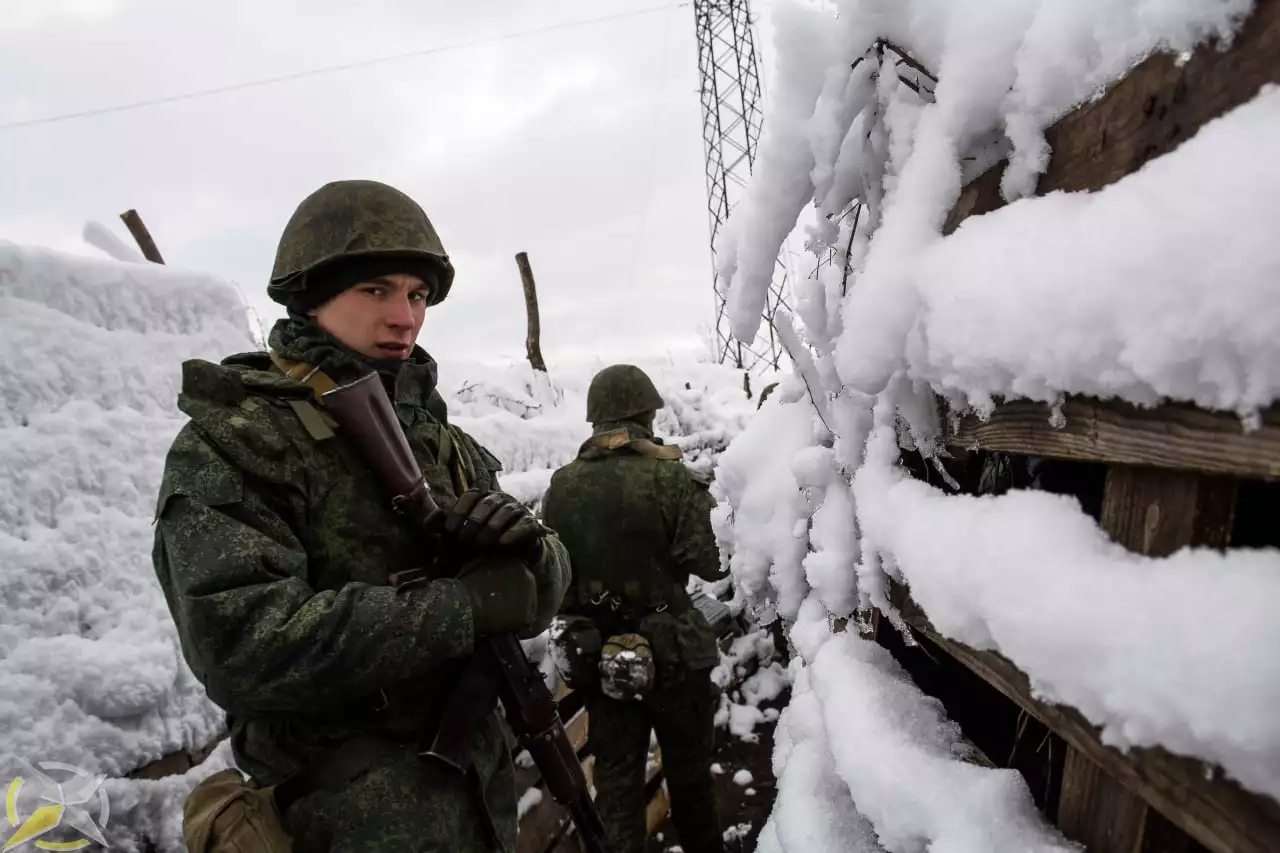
<point>1169,436</point>
<point>1213,810</point>
<point>1151,111</point>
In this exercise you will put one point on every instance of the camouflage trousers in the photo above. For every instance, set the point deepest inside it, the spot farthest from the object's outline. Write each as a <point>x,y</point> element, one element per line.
<point>410,805</point>
<point>682,715</point>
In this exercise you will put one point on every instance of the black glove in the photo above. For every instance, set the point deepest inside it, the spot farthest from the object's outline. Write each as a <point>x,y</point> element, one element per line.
<point>494,522</point>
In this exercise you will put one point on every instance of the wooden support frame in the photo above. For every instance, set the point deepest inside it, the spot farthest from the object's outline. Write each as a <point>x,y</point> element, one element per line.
<point>1215,811</point>
<point>1156,107</point>
<point>1173,472</point>
<point>1168,436</point>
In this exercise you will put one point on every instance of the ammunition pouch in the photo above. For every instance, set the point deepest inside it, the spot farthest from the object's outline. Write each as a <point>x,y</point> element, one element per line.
<point>575,645</point>
<point>682,642</point>
<point>227,814</point>
<point>627,670</point>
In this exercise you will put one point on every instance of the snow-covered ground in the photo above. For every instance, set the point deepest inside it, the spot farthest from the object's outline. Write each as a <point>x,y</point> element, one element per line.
<point>91,673</point>
<point>1164,285</point>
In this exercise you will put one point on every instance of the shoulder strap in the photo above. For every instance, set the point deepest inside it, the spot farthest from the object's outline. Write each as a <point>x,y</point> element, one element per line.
<point>318,426</point>
<point>307,374</point>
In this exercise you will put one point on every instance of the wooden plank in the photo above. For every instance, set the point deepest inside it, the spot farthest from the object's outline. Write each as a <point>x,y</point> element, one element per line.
<point>1096,811</point>
<point>548,820</point>
<point>577,729</point>
<point>1155,512</point>
<point>657,811</point>
<point>654,814</point>
<point>1215,811</point>
<point>1168,436</point>
<point>1155,108</point>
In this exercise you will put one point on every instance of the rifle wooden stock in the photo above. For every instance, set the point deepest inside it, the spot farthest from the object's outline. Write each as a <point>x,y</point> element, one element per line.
<point>498,666</point>
<point>365,413</point>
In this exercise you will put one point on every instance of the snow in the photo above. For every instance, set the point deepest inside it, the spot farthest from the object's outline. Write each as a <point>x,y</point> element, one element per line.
<point>91,672</point>
<point>1027,574</point>
<point>814,810</point>
<point>1163,285</point>
<point>899,757</point>
<point>528,800</point>
<point>866,762</point>
<point>1141,310</point>
<point>742,778</point>
<point>90,669</point>
<point>760,518</point>
<point>1011,64</point>
<point>739,711</point>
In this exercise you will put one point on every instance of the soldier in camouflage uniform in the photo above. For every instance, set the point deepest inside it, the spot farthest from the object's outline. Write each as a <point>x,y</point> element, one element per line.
<point>274,546</point>
<point>637,522</point>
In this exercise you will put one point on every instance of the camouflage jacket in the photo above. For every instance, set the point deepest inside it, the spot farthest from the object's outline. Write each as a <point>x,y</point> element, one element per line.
<point>274,545</point>
<point>637,521</point>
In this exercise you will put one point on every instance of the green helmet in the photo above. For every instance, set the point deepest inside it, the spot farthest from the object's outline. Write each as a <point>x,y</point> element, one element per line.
<point>619,392</point>
<point>358,219</point>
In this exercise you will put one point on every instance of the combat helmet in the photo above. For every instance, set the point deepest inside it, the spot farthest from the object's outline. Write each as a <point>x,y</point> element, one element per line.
<point>619,392</point>
<point>346,220</point>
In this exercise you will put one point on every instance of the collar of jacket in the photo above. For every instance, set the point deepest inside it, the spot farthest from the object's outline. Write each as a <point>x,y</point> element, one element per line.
<point>411,382</point>
<point>612,436</point>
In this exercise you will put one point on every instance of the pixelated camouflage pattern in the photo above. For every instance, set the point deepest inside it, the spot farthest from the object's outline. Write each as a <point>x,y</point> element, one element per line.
<point>349,219</point>
<point>619,392</point>
<point>637,526</point>
<point>682,715</point>
<point>274,551</point>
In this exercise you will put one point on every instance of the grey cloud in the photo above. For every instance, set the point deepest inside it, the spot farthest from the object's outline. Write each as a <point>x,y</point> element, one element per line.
<point>581,146</point>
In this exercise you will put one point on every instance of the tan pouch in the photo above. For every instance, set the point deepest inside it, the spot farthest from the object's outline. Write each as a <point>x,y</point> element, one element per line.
<point>226,814</point>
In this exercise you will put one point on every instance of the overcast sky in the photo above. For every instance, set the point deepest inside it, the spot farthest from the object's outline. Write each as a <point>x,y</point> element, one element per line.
<point>580,145</point>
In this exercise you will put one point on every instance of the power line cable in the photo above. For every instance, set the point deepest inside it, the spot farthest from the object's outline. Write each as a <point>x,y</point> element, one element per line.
<point>333,69</point>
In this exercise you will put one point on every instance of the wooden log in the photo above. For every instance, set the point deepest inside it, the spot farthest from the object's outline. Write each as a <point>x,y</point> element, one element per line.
<point>1169,436</point>
<point>1214,810</point>
<point>1154,109</point>
<point>142,236</point>
<point>533,342</point>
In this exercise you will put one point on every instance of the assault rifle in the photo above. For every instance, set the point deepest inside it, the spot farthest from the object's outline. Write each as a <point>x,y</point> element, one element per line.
<point>498,668</point>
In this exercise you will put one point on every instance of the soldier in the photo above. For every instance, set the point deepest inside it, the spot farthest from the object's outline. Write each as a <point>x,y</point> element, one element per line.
<point>274,546</point>
<point>637,522</point>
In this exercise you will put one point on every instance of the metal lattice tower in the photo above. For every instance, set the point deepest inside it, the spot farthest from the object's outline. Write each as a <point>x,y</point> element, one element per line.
<point>731,117</point>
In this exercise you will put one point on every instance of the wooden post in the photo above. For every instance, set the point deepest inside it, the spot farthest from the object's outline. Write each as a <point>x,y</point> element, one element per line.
<point>1151,511</point>
<point>532,343</point>
<point>133,222</point>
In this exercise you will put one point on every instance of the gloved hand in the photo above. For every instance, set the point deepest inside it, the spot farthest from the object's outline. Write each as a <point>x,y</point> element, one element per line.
<point>503,594</point>
<point>494,522</point>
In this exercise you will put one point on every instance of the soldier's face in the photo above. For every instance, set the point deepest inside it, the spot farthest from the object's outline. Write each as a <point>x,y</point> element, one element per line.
<point>379,318</point>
